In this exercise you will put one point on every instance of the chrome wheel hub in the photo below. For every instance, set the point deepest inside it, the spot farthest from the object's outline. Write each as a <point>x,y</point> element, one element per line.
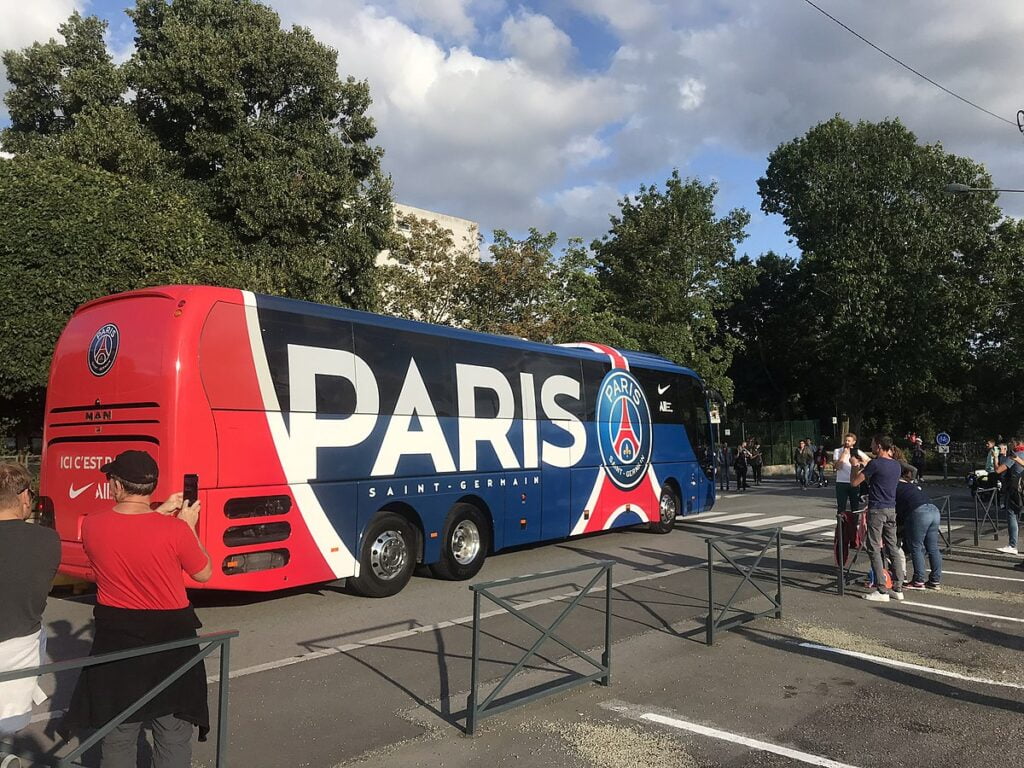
<point>465,542</point>
<point>668,508</point>
<point>388,555</point>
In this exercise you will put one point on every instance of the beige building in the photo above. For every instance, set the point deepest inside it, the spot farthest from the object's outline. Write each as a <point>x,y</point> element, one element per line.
<point>463,230</point>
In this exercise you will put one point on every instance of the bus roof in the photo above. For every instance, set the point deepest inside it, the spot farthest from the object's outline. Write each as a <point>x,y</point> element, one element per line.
<point>212,294</point>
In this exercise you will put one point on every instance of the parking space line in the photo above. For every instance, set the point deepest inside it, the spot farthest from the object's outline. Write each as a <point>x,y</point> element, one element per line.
<point>801,527</point>
<point>746,741</point>
<point>768,521</point>
<point>908,665</point>
<point>715,519</point>
<point>933,607</point>
<point>980,575</point>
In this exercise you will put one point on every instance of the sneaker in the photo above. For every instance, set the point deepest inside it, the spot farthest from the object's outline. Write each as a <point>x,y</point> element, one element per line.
<point>1008,550</point>
<point>897,594</point>
<point>877,597</point>
<point>914,585</point>
<point>934,585</point>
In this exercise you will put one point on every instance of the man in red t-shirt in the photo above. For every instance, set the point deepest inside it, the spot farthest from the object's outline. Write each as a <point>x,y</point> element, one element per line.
<point>138,554</point>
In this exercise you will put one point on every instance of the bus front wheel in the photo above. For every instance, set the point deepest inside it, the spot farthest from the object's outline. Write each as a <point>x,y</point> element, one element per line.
<point>668,508</point>
<point>387,557</point>
<point>464,546</point>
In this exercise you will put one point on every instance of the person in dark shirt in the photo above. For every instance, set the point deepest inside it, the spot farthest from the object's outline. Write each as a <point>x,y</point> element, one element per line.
<point>921,520</point>
<point>29,556</point>
<point>882,475</point>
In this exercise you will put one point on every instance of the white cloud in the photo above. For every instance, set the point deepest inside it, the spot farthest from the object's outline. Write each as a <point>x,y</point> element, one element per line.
<point>535,40</point>
<point>464,134</point>
<point>27,22</point>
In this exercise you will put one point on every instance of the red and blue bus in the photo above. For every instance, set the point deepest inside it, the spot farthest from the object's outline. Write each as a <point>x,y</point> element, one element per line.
<point>335,444</point>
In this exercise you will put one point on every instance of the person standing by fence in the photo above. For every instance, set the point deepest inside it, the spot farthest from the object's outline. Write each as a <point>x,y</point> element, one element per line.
<point>725,463</point>
<point>1012,464</point>
<point>803,460</point>
<point>921,520</point>
<point>741,464</point>
<point>29,556</point>
<point>138,555</point>
<point>756,460</point>
<point>882,475</point>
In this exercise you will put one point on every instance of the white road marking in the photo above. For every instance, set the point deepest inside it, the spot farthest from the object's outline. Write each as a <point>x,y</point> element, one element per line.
<point>980,575</point>
<point>746,741</point>
<point>907,665</point>
<point>768,521</point>
<point>801,527</point>
<point>961,610</point>
<point>715,519</point>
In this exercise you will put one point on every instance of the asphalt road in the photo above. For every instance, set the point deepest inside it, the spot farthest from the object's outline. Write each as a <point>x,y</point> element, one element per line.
<point>321,678</point>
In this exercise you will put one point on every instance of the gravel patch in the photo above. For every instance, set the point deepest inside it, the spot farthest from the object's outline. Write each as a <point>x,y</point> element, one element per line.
<point>606,745</point>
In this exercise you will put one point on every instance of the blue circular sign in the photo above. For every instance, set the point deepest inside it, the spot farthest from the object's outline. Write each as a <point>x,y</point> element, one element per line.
<point>942,438</point>
<point>624,433</point>
<point>103,349</point>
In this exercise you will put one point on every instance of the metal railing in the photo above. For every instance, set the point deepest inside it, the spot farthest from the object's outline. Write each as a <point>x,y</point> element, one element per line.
<point>840,551</point>
<point>477,710</point>
<point>985,511</point>
<point>207,644</point>
<point>720,622</point>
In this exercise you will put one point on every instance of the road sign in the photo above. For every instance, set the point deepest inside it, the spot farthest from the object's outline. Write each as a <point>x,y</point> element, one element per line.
<point>942,449</point>
<point>716,417</point>
<point>942,438</point>
<point>835,420</point>
<point>728,432</point>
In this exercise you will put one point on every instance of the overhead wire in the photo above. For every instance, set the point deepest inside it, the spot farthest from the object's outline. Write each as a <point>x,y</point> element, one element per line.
<point>909,68</point>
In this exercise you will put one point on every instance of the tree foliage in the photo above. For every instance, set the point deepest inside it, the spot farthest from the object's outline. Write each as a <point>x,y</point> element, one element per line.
<point>223,131</point>
<point>668,265</point>
<point>891,283</point>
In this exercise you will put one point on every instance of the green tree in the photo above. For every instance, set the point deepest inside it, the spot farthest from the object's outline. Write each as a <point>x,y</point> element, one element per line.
<point>668,266</point>
<point>221,104</point>
<point>893,267</point>
<point>428,276</point>
<point>71,234</point>
<point>770,317</point>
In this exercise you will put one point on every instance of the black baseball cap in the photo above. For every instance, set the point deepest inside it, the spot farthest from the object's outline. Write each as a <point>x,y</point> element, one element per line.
<point>134,466</point>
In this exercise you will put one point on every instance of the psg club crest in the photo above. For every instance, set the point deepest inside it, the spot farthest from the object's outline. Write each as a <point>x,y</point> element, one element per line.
<point>624,429</point>
<point>103,349</point>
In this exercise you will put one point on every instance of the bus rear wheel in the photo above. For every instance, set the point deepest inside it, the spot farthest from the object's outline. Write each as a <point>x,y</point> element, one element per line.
<point>464,544</point>
<point>386,558</point>
<point>668,508</point>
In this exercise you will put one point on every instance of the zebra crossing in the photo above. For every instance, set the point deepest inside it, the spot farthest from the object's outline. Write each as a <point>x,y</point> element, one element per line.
<point>792,524</point>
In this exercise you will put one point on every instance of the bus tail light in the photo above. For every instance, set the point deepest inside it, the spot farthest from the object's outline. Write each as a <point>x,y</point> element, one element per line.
<point>262,533</point>
<point>255,561</point>
<point>257,506</point>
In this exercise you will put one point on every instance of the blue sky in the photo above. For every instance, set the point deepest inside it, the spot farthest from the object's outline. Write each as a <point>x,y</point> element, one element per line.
<point>545,113</point>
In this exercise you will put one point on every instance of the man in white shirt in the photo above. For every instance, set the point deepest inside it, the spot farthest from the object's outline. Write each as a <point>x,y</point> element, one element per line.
<point>845,493</point>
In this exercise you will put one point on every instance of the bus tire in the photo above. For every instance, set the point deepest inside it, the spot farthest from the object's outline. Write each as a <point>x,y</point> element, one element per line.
<point>387,557</point>
<point>466,538</point>
<point>668,508</point>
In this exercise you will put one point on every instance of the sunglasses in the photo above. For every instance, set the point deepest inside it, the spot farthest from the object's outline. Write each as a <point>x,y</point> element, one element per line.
<point>31,493</point>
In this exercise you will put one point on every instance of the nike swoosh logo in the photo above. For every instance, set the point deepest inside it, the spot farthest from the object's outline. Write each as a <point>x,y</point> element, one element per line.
<point>663,389</point>
<point>74,493</point>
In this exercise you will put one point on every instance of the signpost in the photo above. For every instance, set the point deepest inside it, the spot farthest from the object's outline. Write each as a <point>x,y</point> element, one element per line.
<point>942,441</point>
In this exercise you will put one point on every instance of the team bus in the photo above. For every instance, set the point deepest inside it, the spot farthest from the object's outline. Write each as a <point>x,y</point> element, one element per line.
<point>336,444</point>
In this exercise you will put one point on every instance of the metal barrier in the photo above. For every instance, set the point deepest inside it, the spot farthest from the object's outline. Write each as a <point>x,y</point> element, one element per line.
<point>719,622</point>
<point>987,508</point>
<point>208,644</point>
<point>838,548</point>
<point>478,711</point>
